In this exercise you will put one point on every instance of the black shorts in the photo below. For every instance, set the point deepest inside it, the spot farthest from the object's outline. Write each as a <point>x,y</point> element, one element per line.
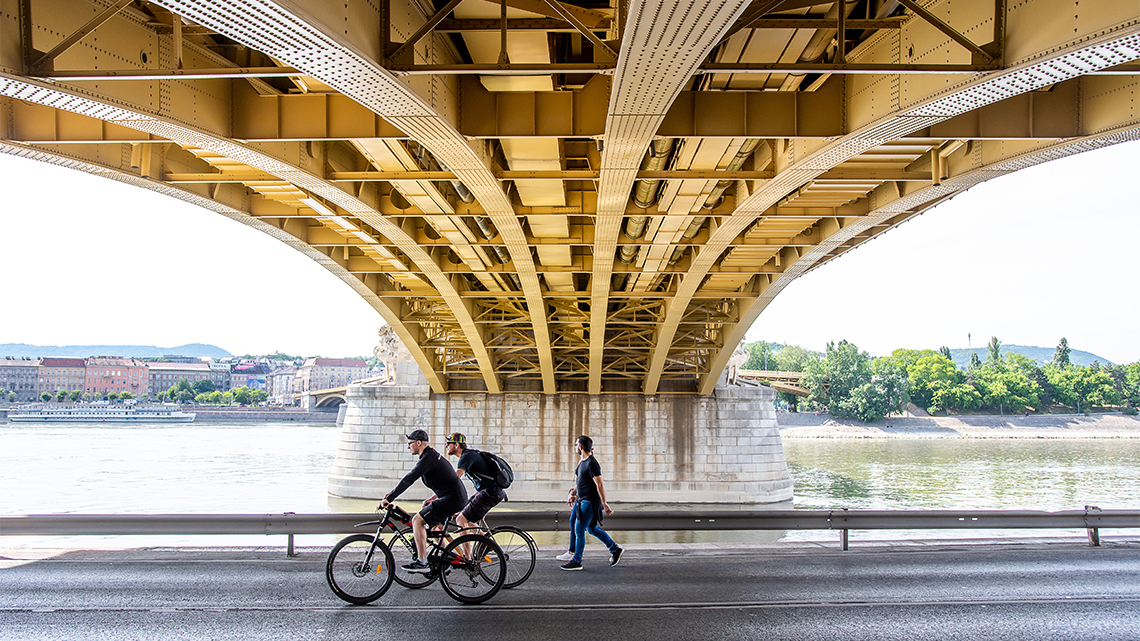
<point>482,503</point>
<point>438,510</point>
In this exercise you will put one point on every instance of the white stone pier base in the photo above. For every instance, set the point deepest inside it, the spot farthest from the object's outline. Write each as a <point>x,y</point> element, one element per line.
<point>723,448</point>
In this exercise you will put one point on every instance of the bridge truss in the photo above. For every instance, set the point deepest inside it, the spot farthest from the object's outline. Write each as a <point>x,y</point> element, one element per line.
<point>594,196</point>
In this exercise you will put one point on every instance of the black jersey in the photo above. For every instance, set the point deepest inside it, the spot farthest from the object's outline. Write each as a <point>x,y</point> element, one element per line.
<point>437,474</point>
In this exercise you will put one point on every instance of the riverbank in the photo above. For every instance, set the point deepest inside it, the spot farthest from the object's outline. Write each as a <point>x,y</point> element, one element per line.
<point>1056,426</point>
<point>242,415</point>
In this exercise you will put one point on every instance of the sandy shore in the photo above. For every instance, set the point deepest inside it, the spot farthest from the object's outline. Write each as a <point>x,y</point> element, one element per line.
<point>812,425</point>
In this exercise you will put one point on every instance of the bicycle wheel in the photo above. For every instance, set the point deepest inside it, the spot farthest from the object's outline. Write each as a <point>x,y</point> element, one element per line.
<point>403,548</point>
<point>475,579</point>
<point>519,551</point>
<point>359,569</point>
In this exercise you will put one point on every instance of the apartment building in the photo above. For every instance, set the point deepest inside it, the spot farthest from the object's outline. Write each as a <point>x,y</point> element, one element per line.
<point>107,374</point>
<point>61,374</point>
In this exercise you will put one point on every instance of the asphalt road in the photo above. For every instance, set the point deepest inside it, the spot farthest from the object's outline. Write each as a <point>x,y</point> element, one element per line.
<point>1053,591</point>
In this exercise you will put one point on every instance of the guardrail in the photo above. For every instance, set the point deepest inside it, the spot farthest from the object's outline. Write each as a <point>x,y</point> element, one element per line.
<point>1091,519</point>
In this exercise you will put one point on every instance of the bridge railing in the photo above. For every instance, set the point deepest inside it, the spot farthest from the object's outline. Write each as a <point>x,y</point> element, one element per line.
<point>1091,519</point>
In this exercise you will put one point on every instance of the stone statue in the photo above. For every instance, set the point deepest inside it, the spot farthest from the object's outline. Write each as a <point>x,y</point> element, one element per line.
<point>387,351</point>
<point>739,357</point>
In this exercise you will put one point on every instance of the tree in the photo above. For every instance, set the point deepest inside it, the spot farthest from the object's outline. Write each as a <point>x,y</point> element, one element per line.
<point>793,358</point>
<point>185,396</point>
<point>61,395</point>
<point>215,397</point>
<point>203,386</point>
<point>227,398</point>
<point>994,349</point>
<point>183,385</point>
<point>1003,387</point>
<point>162,396</point>
<point>258,396</point>
<point>760,356</point>
<point>960,396</point>
<point>202,398</point>
<point>75,395</point>
<point>46,396</point>
<point>11,397</point>
<point>113,396</point>
<point>241,395</point>
<point>945,351</point>
<point>975,362</point>
<point>1061,354</point>
<point>1094,388</point>
<point>930,374</point>
<point>125,396</point>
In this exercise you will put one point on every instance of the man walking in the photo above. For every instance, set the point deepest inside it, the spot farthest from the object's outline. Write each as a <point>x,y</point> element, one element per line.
<point>591,505</point>
<point>450,495</point>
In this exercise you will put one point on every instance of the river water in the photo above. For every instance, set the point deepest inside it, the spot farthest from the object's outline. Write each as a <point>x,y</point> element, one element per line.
<point>283,467</point>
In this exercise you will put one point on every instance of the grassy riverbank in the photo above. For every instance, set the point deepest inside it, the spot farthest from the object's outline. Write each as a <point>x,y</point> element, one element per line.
<point>1113,425</point>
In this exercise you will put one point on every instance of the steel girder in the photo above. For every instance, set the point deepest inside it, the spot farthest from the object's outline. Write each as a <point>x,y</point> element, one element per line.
<point>332,129</point>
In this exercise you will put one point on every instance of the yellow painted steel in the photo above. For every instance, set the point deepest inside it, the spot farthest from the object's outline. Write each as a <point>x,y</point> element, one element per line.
<point>479,196</point>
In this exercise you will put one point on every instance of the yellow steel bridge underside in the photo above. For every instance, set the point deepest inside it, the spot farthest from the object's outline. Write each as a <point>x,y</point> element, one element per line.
<point>589,196</point>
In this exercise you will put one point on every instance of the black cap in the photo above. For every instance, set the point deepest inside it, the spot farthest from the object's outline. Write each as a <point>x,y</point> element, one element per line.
<point>418,435</point>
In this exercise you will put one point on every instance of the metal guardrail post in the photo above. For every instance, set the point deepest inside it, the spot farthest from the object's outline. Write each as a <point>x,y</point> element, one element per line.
<point>289,553</point>
<point>1094,533</point>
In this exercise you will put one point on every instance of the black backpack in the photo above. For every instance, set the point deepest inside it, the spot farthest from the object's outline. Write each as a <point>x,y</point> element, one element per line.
<point>504,476</point>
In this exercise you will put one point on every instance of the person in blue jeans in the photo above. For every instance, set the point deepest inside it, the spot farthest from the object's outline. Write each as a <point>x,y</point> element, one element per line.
<point>572,501</point>
<point>591,505</point>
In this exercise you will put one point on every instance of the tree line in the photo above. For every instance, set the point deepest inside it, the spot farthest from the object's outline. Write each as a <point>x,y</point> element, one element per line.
<point>848,383</point>
<point>202,392</point>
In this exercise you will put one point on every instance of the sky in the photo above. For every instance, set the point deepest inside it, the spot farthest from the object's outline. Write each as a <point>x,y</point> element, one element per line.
<point>1045,253</point>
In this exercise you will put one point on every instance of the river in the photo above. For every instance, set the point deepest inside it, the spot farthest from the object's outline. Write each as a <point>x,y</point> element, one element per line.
<point>283,467</point>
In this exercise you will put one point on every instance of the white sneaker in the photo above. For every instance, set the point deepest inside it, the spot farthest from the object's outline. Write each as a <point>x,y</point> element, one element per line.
<point>566,556</point>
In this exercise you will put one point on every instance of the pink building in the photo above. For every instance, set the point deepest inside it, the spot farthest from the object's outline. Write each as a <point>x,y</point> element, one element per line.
<point>105,375</point>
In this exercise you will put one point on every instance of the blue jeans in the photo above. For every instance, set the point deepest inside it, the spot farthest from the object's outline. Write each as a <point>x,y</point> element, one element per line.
<point>584,511</point>
<point>573,526</point>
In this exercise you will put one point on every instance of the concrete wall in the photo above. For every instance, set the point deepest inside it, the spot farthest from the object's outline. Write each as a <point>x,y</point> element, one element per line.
<point>723,448</point>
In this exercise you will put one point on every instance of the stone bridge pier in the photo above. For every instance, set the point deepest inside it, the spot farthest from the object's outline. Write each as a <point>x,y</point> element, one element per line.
<point>666,448</point>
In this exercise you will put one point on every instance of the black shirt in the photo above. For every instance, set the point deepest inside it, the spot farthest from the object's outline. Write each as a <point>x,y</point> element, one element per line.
<point>437,474</point>
<point>477,469</point>
<point>586,471</point>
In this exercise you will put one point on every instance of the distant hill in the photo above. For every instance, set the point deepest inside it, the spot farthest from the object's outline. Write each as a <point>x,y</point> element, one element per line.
<point>195,350</point>
<point>1041,355</point>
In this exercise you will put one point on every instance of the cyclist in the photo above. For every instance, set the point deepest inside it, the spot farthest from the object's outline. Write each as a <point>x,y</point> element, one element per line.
<point>471,464</point>
<point>450,495</point>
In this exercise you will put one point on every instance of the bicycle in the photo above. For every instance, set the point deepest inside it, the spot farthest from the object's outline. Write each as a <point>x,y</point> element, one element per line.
<point>519,551</point>
<point>360,567</point>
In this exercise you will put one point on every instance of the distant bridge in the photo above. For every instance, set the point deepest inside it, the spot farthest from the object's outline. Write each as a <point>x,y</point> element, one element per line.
<point>789,382</point>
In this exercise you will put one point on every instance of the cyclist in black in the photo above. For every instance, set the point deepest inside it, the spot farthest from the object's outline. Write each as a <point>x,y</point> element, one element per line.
<point>472,465</point>
<point>450,495</point>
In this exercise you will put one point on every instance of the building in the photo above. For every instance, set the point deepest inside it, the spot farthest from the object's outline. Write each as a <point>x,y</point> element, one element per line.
<point>280,385</point>
<point>327,373</point>
<point>61,374</point>
<point>163,376</point>
<point>113,375</point>
<point>19,375</point>
<point>251,375</point>
<point>220,375</point>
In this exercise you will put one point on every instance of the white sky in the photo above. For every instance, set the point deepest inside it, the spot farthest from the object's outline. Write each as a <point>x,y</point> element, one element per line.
<point>1044,253</point>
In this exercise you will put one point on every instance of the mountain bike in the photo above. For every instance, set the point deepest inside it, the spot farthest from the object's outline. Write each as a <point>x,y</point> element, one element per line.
<point>519,551</point>
<point>360,567</point>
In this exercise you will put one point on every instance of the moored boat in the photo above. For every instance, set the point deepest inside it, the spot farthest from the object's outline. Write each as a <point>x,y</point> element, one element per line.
<point>102,414</point>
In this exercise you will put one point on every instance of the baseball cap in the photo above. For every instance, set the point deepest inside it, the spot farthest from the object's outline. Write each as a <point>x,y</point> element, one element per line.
<point>457,437</point>
<point>418,435</point>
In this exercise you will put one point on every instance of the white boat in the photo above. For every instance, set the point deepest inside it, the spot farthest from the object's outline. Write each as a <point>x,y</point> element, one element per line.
<point>102,414</point>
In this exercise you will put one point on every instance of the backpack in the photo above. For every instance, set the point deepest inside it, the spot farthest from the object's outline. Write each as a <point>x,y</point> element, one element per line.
<point>503,473</point>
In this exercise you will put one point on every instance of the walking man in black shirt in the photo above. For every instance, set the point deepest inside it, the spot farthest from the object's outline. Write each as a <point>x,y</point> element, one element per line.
<point>471,464</point>
<point>450,495</point>
<point>591,504</point>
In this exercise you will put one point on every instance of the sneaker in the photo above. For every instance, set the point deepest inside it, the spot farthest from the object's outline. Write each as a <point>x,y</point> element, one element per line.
<point>573,565</point>
<point>615,557</point>
<point>416,567</point>
<point>565,556</point>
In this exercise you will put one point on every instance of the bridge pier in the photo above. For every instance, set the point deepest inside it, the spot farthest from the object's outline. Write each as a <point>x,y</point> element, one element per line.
<point>669,448</point>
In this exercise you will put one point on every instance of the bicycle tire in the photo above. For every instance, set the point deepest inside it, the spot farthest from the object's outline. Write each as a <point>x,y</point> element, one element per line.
<point>350,577</point>
<point>402,546</point>
<point>476,580</point>
<point>519,551</point>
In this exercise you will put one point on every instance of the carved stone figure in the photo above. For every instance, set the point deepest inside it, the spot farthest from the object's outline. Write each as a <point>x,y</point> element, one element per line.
<point>739,357</point>
<point>387,351</point>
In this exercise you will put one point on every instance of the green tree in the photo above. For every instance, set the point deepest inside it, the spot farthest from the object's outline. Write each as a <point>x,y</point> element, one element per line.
<point>61,395</point>
<point>1132,383</point>
<point>46,396</point>
<point>975,362</point>
<point>994,349</point>
<point>891,383</point>
<point>1061,354</point>
<point>258,396</point>
<point>203,386</point>
<point>760,356</point>
<point>125,396</point>
<point>1094,388</point>
<point>929,375</point>
<point>183,385</point>
<point>945,351</point>
<point>1006,388</point>
<point>241,395</point>
<point>227,398</point>
<point>202,398</point>
<point>11,397</point>
<point>113,396</point>
<point>960,396</point>
<point>185,396</point>
<point>793,358</point>
<point>162,396</point>
<point>75,395</point>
